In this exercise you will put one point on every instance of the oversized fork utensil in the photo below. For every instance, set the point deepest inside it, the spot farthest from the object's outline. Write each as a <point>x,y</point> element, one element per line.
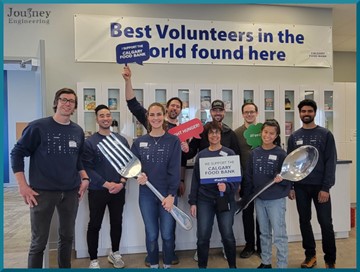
<point>129,166</point>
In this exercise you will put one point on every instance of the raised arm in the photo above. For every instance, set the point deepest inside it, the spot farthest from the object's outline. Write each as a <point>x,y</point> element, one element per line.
<point>133,104</point>
<point>129,92</point>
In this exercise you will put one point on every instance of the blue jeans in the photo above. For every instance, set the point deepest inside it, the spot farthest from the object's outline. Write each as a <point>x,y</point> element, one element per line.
<point>305,194</point>
<point>206,211</point>
<point>155,217</point>
<point>271,217</point>
<point>66,204</point>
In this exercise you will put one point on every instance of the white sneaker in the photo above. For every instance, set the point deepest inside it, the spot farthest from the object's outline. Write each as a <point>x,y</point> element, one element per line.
<point>223,251</point>
<point>196,256</point>
<point>116,259</point>
<point>94,264</point>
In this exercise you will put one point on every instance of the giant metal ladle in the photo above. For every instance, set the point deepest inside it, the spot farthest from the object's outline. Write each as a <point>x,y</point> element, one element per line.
<point>296,166</point>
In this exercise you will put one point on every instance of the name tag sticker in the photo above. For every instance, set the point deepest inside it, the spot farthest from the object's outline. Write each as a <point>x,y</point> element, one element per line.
<point>223,153</point>
<point>272,157</point>
<point>72,144</point>
<point>143,144</point>
<point>299,142</point>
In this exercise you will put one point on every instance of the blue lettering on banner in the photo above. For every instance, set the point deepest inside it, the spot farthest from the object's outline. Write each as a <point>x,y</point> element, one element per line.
<point>142,51</point>
<point>130,32</point>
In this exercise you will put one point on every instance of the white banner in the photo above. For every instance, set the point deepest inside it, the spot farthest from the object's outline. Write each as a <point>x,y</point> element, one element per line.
<point>204,42</point>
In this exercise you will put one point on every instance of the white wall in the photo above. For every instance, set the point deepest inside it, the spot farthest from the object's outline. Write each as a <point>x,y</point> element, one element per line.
<point>344,66</point>
<point>350,90</point>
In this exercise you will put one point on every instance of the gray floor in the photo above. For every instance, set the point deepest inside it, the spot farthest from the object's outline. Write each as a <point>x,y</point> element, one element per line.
<point>17,239</point>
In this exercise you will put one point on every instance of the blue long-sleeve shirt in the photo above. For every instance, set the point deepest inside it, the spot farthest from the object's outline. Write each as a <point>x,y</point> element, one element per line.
<point>160,160</point>
<point>55,154</point>
<point>96,165</point>
<point>321,138</point>
<point>209,191</point>
<point>262,167</point>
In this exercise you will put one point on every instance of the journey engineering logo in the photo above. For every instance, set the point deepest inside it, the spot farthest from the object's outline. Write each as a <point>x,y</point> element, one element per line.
<point>28,16</point>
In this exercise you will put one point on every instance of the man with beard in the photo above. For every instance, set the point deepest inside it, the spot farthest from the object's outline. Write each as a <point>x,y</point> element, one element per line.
<point>107,188</point>
<point>228,137</point>
<point>173,110</point>
<point>316,186</point>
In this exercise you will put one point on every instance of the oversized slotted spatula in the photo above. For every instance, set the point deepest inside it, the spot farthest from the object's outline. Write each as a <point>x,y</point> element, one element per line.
<point>129,166</point>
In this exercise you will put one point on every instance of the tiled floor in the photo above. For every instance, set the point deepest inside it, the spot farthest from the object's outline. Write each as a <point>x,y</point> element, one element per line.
<point>17,238</point>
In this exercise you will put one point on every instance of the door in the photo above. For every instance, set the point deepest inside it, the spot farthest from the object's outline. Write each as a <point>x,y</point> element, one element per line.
<point>24,93</point>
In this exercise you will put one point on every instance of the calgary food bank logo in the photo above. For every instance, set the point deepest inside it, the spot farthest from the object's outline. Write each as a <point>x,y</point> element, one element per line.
<point>28,16</point>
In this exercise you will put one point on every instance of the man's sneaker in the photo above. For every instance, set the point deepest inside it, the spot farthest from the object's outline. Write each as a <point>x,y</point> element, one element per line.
<point>175,260</point>
<point>116,259</point>
<point>258,252</point>
<point>329,265</point>
<point>223,251</point>
<point>309,262</point>
<point>247,252</point>
<point>196,256</point>
<point>147,263</point>
<point>264,266</point>
<point>94,264</point>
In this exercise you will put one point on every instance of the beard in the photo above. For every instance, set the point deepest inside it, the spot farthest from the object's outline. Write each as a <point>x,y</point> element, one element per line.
<point>307,119</point>
<point>173,114</point>
<point>218,118</point>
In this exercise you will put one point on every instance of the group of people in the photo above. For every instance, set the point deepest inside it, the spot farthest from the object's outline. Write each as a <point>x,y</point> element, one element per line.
<point>63,165</point>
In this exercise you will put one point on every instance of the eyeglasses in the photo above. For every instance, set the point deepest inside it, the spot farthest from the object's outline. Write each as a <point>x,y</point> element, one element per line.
<point>249,112</point>
<point>65,100</point>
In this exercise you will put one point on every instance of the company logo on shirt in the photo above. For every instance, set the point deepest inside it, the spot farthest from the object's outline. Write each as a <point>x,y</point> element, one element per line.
<point>28,16</point>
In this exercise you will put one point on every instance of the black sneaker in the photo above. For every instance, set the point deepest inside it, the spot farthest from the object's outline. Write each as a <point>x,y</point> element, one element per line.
<point>175,260</point>
<point>147,263</point>
<point>329,265</point>
<point>309,262</point>
<point>258,252</point>
<point>264,266</point>
<point>247,252</point>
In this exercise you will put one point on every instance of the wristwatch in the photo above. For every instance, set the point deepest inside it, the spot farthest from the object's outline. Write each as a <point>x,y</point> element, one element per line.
<point>88,179</point>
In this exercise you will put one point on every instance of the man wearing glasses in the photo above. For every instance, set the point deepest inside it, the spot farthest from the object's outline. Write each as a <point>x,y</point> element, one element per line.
<point>250,113</point>
<point>57,178</point>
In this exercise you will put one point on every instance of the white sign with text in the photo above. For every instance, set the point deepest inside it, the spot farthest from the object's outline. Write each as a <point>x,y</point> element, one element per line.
<point>220,169</point>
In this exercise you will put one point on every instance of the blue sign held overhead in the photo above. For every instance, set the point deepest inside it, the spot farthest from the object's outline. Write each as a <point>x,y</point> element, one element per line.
<point>132,52</point>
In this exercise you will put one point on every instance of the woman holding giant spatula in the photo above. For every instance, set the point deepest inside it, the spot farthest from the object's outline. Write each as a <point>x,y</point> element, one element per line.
<point>159,153</point>
<point>265,164</point>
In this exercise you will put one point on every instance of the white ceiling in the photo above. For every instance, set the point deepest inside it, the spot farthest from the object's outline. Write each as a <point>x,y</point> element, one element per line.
<point>344,26</point>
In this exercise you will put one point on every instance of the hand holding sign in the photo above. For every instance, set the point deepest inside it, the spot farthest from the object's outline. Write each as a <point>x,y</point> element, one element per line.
<point>132,52</point>
<point>185,131</point>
